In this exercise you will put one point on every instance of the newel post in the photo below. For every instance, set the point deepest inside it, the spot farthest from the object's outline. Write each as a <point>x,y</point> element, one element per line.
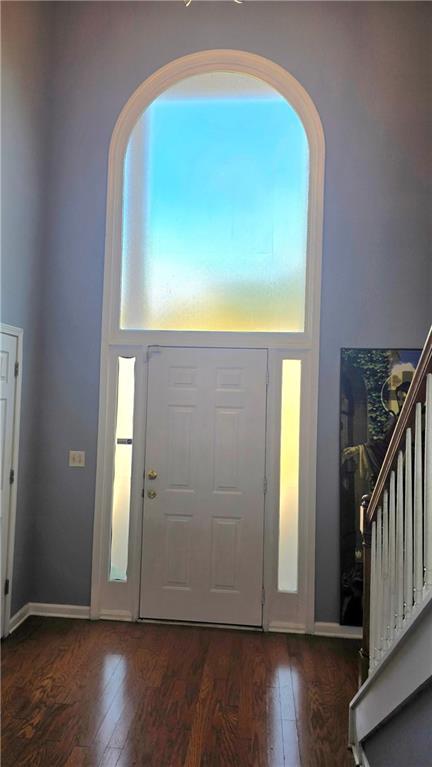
<point>365,529</point>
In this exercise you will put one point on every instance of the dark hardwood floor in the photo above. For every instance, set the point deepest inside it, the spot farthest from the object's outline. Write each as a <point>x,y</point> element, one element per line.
<point>76,693</point>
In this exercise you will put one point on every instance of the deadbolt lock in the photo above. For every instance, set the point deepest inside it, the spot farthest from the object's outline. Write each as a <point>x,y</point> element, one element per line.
<point>152,474</point>
<point>151,493</point>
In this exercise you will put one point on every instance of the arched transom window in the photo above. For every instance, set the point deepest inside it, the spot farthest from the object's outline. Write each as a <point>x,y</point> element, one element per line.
<point>215,210</point>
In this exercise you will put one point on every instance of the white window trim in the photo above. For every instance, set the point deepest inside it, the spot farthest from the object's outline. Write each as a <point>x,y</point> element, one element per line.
<point>284,610</point>
<point>121,599</point>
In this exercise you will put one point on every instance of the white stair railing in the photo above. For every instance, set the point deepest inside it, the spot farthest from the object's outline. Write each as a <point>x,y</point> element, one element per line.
<point>398,522</point>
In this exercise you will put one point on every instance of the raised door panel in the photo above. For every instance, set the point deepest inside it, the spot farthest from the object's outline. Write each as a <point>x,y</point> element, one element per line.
<point>225,554</point>
<point>177,553</point>
<point>179,447</point>
<point>226,450</point>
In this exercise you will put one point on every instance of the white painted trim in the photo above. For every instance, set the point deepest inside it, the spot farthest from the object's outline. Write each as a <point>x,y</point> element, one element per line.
<point>406,667</point>
<point>58,611</point>
<point>109,596</point>
<point>319,629</point>
<point>417,616</point>
<point>298,345</point>
<point>104,476</point>
<point>336,630</point>
<point>294,608</point>
<point>11,330</point>
<point>290,88</point>
<point>18,333</point>
<point>285,627</point>
<point>79,611</point>
<point>19,617</point>
<point>47,610</point>
<point>116,615</point>
<point>82,612</point>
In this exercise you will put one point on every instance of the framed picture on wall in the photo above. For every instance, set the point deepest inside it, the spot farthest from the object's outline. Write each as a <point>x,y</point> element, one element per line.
<point>373,386</point>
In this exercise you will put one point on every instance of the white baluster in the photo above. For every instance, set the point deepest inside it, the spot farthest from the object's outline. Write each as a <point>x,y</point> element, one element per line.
<point>408,570</point>
<point>428,484</point>
<point>399,541</point>
<point>386,579</point>
<point>418,507</point>
<point>372,600</point>
<point>392,556</point>
<point>379,587</point>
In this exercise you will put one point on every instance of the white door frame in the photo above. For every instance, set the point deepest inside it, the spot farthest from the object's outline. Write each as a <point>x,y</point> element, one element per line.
<point>120,600</point>
<point>18,333</point>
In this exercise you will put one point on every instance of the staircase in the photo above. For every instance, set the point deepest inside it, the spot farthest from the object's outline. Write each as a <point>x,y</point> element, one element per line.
<point>397,638</point>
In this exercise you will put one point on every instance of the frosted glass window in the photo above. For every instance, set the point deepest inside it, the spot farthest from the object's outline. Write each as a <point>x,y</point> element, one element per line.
<point>289,475</point>
<point>122,470</point>
<point>215,198</point>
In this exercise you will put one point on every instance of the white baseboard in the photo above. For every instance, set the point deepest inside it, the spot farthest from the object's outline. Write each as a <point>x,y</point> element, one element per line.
<point>58,611</point>
<point>48,611</point>
<point>284,627</point>
<point>115,615</point>
<point>82,611</point>
<point>336,630</point>
<point>320,629</point>
<point>19,617</point>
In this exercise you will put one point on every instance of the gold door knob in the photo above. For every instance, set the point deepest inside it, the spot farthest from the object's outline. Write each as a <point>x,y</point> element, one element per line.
<point>151,493</point>
<point>152,474</point>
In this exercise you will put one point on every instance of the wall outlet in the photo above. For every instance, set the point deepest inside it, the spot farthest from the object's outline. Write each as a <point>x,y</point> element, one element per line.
<point>77,458</point>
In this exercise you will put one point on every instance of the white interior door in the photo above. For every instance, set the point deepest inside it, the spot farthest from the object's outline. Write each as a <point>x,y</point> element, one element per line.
<point>8,358</point>
<point>204,486</point>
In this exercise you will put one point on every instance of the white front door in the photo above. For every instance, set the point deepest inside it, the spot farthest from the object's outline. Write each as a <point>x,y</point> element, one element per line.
<point>8,358</point>
<point>204,486</point>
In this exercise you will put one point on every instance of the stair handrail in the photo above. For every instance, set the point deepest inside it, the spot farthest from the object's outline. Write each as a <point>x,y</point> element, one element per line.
<point>370,503</point>
<point>416,393</point>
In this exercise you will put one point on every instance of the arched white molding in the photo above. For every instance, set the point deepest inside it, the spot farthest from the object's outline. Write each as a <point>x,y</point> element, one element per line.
<point>179,69</point>
<point>304,345</point>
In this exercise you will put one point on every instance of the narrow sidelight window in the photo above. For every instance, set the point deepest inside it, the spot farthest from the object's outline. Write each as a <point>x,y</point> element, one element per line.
<point>289,476</point>
<point>122,469</point>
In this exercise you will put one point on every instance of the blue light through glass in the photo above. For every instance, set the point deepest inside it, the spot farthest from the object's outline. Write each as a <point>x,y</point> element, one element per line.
<point>215,211</point>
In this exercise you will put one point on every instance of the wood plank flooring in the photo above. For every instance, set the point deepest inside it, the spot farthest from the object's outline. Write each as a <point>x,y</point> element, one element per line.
<point>82,694</point>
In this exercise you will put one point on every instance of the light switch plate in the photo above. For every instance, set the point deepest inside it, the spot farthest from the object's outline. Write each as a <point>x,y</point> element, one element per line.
<point>77,458</point>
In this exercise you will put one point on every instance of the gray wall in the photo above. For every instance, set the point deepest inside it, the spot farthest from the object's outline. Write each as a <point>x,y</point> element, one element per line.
<point>25,29</point>
<point>365,66</point>
<point>406,739</point>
